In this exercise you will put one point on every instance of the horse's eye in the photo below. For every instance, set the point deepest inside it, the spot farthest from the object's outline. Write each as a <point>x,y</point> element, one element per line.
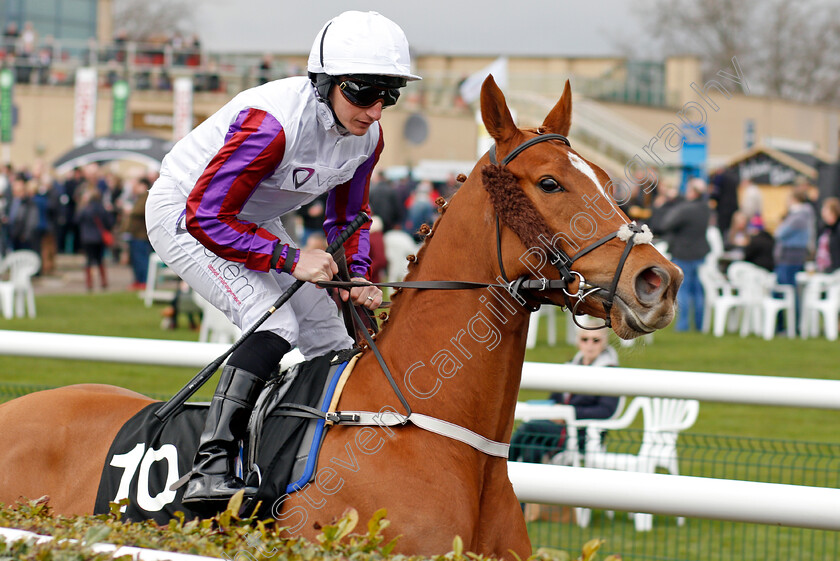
<point>550,185</point>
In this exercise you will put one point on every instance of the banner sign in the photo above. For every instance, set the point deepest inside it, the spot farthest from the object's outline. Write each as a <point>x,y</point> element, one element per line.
<point>84,116</point>
<point>182,117</point>
<point>7,82</point>
<point>119,106</point>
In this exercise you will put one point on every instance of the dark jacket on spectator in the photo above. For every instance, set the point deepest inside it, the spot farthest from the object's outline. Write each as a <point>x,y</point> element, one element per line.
<point>590,406</point>
<point>24,219</point>
<point>759,250</point>
<point>685,229</point>
<point>87,217</point>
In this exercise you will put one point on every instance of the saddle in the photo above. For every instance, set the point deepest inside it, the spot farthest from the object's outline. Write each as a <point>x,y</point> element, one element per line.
<point>289,423</point>
<point>286,430</point>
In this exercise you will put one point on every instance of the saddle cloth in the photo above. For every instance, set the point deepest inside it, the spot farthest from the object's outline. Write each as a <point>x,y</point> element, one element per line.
<point>148,456</point>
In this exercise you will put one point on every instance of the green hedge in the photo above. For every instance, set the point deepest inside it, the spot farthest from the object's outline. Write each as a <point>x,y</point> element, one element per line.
<point>224,536</point>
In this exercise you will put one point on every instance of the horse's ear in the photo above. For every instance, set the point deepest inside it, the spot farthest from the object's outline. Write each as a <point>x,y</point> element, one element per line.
<point>559,120</point>
<point>495,113</point>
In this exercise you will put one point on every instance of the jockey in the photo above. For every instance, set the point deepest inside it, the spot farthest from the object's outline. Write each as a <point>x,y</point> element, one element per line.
<point>213,216</point>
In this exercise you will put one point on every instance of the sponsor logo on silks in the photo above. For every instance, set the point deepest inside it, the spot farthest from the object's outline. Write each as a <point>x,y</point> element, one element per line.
<point>301,176</point>
<point>180,223</point>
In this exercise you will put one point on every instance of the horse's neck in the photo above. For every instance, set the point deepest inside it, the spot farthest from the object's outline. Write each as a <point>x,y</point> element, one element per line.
<point>459,353</point>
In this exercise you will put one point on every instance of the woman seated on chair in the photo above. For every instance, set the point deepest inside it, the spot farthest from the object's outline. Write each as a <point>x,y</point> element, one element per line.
<point>535,439</point>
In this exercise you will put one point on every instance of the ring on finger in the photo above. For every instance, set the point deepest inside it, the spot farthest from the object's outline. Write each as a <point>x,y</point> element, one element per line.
<point>370,298</point>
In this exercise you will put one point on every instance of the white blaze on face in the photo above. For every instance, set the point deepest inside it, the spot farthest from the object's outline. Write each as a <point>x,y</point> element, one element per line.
<point>587,170</point>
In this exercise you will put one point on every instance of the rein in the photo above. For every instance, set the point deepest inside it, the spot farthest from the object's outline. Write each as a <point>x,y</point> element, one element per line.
<point>523,287</point>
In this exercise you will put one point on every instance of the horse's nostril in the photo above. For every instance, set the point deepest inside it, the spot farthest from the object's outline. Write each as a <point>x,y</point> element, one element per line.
<point>652,279</point>
<point>650,282</point>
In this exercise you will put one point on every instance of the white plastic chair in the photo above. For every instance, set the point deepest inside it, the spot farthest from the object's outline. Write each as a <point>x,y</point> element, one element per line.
<point>571,455</point>
<point>17,295</point>
<point>398,246</point>
<point>664,419</point>
<point>820,299</point>
<point>778,299</point>
<point>7,294</point>
<point>527,411</point>
<point>723,306</point>
<point>764,299</point>
<point>662,247</point>
<point>716,247</point>
<point>715,240</point>
<point>215,326</point>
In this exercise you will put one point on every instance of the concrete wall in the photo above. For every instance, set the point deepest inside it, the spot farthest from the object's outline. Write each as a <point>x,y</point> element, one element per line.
<point>105,20</point>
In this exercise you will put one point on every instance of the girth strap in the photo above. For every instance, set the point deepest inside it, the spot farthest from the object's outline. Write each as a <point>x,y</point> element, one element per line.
<point>431,424</point>
<point>306,412</point>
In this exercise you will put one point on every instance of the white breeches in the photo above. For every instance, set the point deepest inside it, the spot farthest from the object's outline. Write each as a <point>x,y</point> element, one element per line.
<point>309,320</point>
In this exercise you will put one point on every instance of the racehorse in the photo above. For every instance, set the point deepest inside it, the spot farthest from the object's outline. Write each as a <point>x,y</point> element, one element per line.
<point>543,216</point>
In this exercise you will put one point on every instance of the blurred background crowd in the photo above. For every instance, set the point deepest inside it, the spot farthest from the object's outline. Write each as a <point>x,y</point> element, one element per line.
<point>98,212</point>
<point>91,211</point>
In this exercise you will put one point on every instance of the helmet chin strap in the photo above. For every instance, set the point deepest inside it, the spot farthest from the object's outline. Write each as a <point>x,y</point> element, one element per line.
<point>326,114</point>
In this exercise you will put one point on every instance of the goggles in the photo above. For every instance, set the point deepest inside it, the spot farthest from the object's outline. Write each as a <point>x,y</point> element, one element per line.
<point>365,95</point>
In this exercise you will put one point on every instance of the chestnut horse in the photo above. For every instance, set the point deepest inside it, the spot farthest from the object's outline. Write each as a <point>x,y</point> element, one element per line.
<point>456,355</point>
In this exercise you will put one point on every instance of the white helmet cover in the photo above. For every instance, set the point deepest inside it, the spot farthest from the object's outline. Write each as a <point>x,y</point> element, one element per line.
<point>361,43</point>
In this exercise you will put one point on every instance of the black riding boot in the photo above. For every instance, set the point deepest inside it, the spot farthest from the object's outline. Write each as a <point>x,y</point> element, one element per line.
<point>213,476</point>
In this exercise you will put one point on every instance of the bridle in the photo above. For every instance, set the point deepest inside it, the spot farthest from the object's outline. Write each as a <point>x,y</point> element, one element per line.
<point>523,287</point>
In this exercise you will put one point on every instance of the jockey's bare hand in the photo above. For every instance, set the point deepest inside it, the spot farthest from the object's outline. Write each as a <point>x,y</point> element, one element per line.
<point>315,265</point>
<point>368,296</point>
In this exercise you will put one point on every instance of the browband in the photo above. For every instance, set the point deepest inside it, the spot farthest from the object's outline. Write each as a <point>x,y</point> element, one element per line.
<point>528,143</point>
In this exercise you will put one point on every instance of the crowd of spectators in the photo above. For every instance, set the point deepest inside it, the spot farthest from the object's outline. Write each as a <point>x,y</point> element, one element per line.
<point>29,57</point>
<point>51,215</point>
<point>402,204</point>
<point>66,215</point>
<point>92,211</point>
<point>406,204</point>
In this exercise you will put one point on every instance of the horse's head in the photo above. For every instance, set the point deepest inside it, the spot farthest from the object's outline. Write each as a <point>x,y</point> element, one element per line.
<point>560,224</point>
